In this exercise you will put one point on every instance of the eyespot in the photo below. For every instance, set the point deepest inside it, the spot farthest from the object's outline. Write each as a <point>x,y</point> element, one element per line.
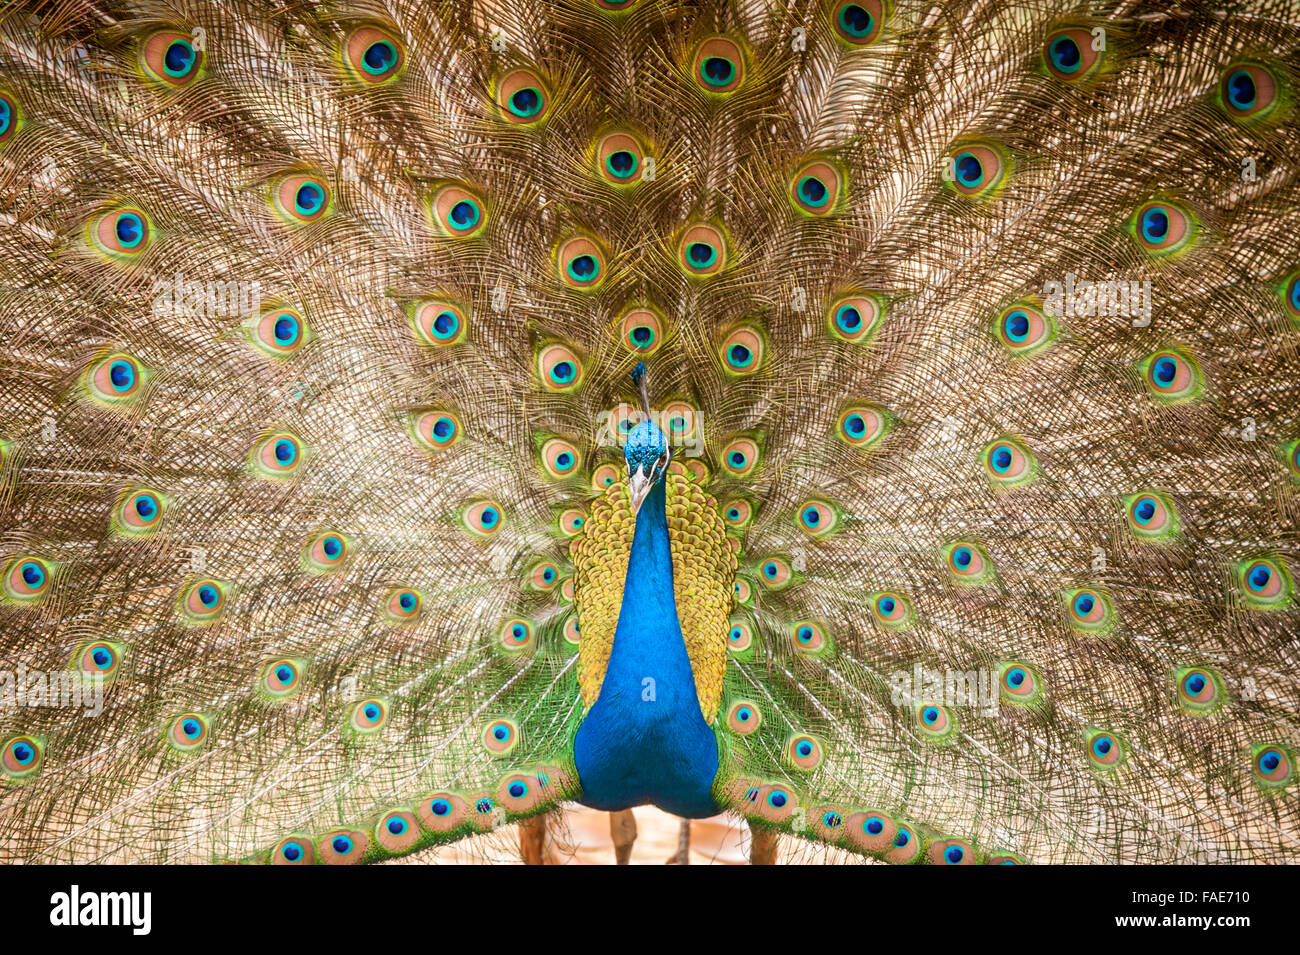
<point>516,635</point>
<point>567,590</point>
<point>279,332</point>
<point>817,518</point>
<point>121,233</point>
<point>744,717</point>
<point>1105,750</point>
<point>744,592</point>
<point>803,752</point>
<point>301,198</point>
<point>773,802</point>
<point>188,732</point>
<point>855,318</point>
<point>1248,91</point>
<point>891,608</point>
<point>520,792</point>
<point>641,331</point>
<point>560,459</point>
<point>572,521</point>
<point>774,573</point>
<point>936,723</point>
<point>294,850</point>
<point>870,830</point>
<point>326,552</point>
<point>403,605</point>
<point>10,117</point>
<point>605,476</point>
<point>1089,609</point>
<point>808,637</point>
<point>559,368</point>
<point>680,420</point>
<point>115,379</point>
<point>1264,582</point>
<point>950,852</point>
<point>27,579</point>
<point>458,212</point>
<point>1150,515</point>
<point>483,518</point>
<point>442,812</point>
<point>543,576</point>
<point>1273,766</point>
<point>1004,858</point>
<point>1008,463</point>
<point>976,170</point>
<point>397,830</point>
<point>1290,454</point>
<point>905,847</point>
<point>738,513</point>
<point>343,847</point>
<point>368,716</point>
<point>718,65</point>
<point>281,679</point>
<point>1020,683</point>
<point>204,600</point>
<point>440,322</point>
<point>170,58</point>
<point>740,637</point>
<point>435,430</point>
<point>1162,228</point>
<point>967,562</point>
<point>1199,689</point>
<point>522,97</point>
<point>138,513</point>
<point>581,263</point>
<point>702,249</point>
<point>571,631</point>
<point>98,660</point>
<point>619,159</point>
<point>741,351</point>
<point>862,426</point>
<point>1068,54</point>
<point>1024,330</point>
<point>277,456</point>
<point>858,22</point>
<point>815,189</point>
<point>500,737</point>
<point>1170,376</point>
<point>373,55</point>
<point>740,456</point>
<point>1290,292</point>
<point>22,757</point>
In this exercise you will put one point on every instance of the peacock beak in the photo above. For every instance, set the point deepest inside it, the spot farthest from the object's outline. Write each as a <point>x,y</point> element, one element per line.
<point>638,486</point>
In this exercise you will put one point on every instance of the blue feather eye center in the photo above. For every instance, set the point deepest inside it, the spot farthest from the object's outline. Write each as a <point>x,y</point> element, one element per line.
<point>1194,683</point>
<point>103,659</point>
<point>208,595</point>
<point>191,728</point>
<point>33,575</point>
<point>342,845</point>
<point>1102,745</point>
<point>284,674</point>
<point>583,267</point>
<point>332,546</point>
<point>621,163</point>
<point>1001,458</point>
<point>1065,54</point>
<point>736,633</point>
<point>776,799</point>
<point>969,170</point>
<point>1165,370</point>
<point>1269,761</point>
<point>1155,224</point>
<point>291,851</point>
<point>962,557</point>
<point>805,634</point>
<point>518,789</point>
<point>886,605</point>
<point>740,356</point>
<point>873,826</point>
<point>309,198</point>
<point>717,70</point>
<point>464,214</point>
<point>812,516</point>
<point>371,712</point>
<point>855,20</point>
<point>525,102</point>
<point>770,570</point>
<point>1016,326</point>
<point>804,748</point>
<point>548,574</point>
<point>1241,90</point>
<point>701,254</point>
<point>1016,677</point>
<point>285,452</point>
<point>122,375</point>
<point>286,330</point>
<point>379,57</point>
<point>440,807</point>
<point>902,837</point>
<point>179,58</point>
<point>954,854</point>
<point>1083,604</point>
<point>406,601</point>
<point>1258,576</point>
<point>1145,510</point>
<point>929,715</point>
<point>129,229</point>
<point>6,116</point>
<point>849,319</point>
<point>23,753</point>
<point>813,191</point>
<point>832,820</point>
<point>396,825</point>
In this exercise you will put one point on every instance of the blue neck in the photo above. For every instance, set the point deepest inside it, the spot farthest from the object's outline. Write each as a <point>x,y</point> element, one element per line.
<point>644,739</point>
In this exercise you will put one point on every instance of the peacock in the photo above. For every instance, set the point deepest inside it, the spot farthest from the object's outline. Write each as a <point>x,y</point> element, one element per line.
<point>878,420</point>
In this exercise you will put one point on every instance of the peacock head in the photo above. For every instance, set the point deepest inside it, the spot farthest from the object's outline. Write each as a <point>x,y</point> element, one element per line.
<point>647,459</point>
<point>646,451</point>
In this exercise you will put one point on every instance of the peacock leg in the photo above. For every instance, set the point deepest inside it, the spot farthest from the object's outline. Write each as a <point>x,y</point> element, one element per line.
<point>762,847</point>
<point>535,842</point>
<point>622,826</point>
<point>683,854</point>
